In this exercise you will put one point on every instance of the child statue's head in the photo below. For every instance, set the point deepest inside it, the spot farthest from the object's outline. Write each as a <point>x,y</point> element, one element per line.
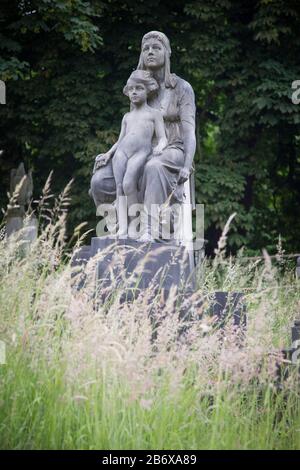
<point>140,81</point>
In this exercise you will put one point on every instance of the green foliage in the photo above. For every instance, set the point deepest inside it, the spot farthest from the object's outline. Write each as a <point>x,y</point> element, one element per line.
<point>65,63</point>
<point>247,50</point>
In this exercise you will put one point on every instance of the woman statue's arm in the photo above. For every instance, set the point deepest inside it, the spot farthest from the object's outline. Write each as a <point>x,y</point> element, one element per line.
<point>187,111</point>
<point>159,129</point>
<point>189,142</point>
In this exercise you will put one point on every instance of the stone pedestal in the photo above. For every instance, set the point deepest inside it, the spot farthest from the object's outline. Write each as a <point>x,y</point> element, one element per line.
<point>160,266</point>
<point>149,263</point>
<point>133,266</point>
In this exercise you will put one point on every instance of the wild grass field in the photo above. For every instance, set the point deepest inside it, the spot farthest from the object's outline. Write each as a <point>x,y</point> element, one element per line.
<point>82,374</point>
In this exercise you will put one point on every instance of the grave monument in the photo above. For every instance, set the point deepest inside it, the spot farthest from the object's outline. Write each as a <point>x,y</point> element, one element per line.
<point>144,181</point>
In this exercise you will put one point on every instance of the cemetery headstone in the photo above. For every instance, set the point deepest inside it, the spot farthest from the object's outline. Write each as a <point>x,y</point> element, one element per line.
<point>21,188</point>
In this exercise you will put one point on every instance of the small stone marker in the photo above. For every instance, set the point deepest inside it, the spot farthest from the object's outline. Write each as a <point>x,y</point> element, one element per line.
<point>21,188</point>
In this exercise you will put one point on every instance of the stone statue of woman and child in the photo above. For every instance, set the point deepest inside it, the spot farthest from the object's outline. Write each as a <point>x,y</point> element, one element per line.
<point>152,159</point>
<point>149,166</point>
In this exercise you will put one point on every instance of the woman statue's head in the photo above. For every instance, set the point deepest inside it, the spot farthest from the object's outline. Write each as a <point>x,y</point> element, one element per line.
<point>155,54</point>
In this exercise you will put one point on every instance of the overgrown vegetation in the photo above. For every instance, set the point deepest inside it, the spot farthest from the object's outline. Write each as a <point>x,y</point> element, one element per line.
<point>86,374</point>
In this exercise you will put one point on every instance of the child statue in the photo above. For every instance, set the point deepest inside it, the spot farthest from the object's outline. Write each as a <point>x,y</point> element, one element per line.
<point>129,154</point>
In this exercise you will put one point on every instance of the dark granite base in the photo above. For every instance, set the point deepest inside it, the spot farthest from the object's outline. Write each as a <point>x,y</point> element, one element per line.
<point>161,267</point>
<point>155,265</point>
<point>149,264</point>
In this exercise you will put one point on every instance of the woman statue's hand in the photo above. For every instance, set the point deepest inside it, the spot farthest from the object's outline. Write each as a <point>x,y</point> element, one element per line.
<point>183,175</point>
<point>101,160</point>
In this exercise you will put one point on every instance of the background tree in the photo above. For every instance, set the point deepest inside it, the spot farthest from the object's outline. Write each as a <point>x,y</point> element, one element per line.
<point>246,51</point>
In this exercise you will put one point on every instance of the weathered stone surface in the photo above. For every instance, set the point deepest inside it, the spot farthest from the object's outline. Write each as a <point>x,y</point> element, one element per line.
<point>21,188</point>
<point>13,224</point>
<point>149,263</point>
<point>143,264</point>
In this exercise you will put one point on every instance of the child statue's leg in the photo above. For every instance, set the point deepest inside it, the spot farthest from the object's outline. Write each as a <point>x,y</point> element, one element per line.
<point>134,168</point>
<point>119,163</point>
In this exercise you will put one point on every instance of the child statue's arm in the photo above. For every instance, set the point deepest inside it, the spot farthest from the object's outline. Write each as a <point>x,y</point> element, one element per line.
<point>121,136</point>
<point>160,133</point>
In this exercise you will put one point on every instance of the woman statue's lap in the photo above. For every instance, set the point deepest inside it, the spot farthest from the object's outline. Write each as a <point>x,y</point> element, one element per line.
<point>160,176</point>
<point>103,185</point>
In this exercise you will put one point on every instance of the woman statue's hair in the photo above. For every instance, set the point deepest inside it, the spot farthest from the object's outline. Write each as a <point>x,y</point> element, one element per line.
<point>144,77</point>
<point>169,79</point>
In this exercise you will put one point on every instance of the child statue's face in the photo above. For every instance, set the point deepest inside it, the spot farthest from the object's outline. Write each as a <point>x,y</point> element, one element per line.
<point>137,92</point>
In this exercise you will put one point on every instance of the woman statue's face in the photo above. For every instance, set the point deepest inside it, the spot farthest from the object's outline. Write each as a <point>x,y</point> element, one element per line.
<point>153,54</point>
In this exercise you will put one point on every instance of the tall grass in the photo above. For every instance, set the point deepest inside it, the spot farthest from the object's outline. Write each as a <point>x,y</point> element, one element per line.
<point>84,374</point>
